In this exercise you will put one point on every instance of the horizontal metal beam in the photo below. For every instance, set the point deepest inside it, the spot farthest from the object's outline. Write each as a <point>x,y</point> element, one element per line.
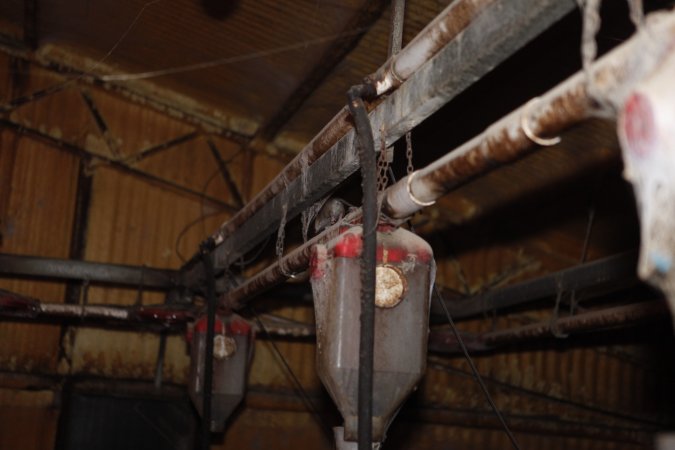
<point>616,271</point>
<point>147,317</point>
<point>35,266</point>
<point>500,30</point>
<point>112,163</point>
<point>161,100</point>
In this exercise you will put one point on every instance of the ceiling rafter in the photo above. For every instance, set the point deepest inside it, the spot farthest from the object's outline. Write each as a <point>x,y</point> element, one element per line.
<point>159,99</point>
<point>117,165</point>
<point>363,19</point>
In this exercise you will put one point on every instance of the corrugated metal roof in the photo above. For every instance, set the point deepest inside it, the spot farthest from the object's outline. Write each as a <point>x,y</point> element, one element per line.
<point>159,35</point>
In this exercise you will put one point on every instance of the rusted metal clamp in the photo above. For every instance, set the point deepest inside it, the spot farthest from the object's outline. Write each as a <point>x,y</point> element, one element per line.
<point>525,125</point>
<point>414,199</point>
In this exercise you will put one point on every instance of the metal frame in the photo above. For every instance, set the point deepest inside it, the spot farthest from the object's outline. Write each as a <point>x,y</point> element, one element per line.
<point>67,269</point>
<point>317,170</point>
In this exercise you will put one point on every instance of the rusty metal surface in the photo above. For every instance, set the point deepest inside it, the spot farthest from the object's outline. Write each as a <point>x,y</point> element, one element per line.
<point>267,80</point>
<point>548,115</point>
<point>427,91</point>
<point>28,419</point>
<point>34,195</point>
<point>616,378</point>
<point>593,321</point>
<point>587,148</point>
<point>295,261</point>
<point>130,223</point>
<point>445,27</point>
<point>628,315</point>
<point>366,58</point>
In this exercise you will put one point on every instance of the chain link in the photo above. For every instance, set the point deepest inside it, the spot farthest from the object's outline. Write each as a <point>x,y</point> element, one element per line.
<point>383,161</point>
<point>409,152</point>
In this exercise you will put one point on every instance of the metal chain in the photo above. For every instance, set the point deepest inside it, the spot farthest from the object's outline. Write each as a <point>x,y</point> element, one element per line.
<point>409,152</point>
<point>279,246</point>
<point>383,162</point>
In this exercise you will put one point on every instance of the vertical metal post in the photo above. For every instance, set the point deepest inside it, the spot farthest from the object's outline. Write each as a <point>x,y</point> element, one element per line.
<point>78,242</point>
<point>396,36</point>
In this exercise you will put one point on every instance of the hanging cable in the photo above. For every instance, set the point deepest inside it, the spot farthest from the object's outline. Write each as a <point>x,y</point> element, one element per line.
<point>296,381</point>
<point>474,370</point>
<point>208,360</point>
<point>366,145</point>
<point>476,374</point>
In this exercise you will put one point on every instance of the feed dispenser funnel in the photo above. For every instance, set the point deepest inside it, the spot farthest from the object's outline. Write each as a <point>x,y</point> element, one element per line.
<point>405,273</point>
<point>232,347</point>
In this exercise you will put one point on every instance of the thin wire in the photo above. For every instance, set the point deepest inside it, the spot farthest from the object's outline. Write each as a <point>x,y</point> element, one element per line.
<point>460,341</point>
<point>242,263</point>
<point>229,60</point>
<point>60,86</point>
<point>124,35</point>
<point>298,386</point>
<point>203,214</point>
<point>185,230</point>
<point>476,374</point>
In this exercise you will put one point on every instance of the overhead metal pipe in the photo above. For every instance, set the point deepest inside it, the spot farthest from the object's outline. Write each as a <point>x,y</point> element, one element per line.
<point>503,28</point>
<point>153,317</point>
<point>36,266</point>
<point>445,27</point>
<point>628,315</point>
<point>20,306</point>
<point>295,261</point>
<point>434,37</point>
<point>608,318</point>
<point>503,142</point>
<point>516,134</point>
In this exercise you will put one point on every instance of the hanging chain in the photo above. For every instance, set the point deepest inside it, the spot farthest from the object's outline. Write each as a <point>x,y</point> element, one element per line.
<point>281,237</point>
<point>409,152</point>
<point>384,159</point>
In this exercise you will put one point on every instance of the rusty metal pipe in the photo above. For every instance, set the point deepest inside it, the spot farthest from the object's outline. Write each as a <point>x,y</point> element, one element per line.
<point>286,267</point>
<point>435,36</point>
<point>503,142</point>
<point>329,135</point>
<point>444,28</point>
<point>595,320</point>
<point>615,317</point>
<point>14,305</point>
<point>59,310</point>
<point>21,306</point>
<point>516,134</point>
